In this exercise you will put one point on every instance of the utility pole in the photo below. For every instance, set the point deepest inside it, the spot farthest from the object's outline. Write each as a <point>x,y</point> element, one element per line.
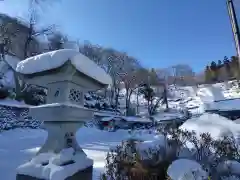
<point>234,23</point>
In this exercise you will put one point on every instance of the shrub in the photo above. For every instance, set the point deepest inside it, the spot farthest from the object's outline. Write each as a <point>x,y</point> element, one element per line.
<point>4,93</point>
<point>98,106</point>
<point>34,95</point>
<point>126,162</point>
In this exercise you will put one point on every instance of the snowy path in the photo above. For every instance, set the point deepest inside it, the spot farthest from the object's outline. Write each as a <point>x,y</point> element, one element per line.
<point>19,145</point>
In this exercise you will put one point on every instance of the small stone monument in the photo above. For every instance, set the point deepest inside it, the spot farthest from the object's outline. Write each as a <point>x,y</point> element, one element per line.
<point>67,74</point>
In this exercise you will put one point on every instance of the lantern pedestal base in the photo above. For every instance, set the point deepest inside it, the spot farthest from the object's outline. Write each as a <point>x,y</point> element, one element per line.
<point>61,135</point>
<point>85,174</point>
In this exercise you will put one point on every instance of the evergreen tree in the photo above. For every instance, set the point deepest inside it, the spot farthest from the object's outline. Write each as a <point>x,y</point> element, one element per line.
<point>226,64</point>
<point>208,74</point>
<point>235,67</point>
<point>219,65</point>
<point>150,97</point>
<point>213,68</point>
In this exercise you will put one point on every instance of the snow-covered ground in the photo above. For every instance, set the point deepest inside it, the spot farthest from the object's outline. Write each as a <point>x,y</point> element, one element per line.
<point>20,145</point>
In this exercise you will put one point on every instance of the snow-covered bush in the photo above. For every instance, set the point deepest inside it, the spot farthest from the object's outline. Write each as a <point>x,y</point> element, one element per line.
<point>16,117</point>
<point>219,158</point>
<point>186,169</point>
<point>34,95</point>
<point>126,163</point>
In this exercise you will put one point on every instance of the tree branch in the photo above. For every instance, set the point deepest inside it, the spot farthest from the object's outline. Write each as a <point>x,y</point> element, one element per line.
<point>47,31</point>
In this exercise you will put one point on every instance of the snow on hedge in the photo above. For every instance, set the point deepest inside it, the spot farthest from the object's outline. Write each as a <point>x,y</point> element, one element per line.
<point>56,59</point>
<point>185,169</point>
<point>216,125</point>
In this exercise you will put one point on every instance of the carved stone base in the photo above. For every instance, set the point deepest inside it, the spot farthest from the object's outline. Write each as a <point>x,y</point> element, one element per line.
<point>85,174</point>
<point>58,136</point>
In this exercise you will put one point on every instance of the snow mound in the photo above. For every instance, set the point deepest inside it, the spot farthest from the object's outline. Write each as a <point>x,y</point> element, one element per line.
<point>185,169</point>
<point>53,166</point>
<point>56,59</point>
<point>171,115</point>
<point>210,94</point>
<point>158,145</point>
<point>216,125</point>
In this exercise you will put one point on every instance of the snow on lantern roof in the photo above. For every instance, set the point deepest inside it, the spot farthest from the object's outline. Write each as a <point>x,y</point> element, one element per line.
<point>56,59</point>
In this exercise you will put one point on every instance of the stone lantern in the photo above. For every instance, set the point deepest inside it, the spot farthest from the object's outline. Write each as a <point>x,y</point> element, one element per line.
<point>67,75</point>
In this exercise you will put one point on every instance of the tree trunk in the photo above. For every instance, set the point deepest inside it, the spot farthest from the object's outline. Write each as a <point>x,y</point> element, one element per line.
<point>105,93</point>
<point>154,107</point>
<point>126,101</point>
<point>137,101</point>
<point>149,107</point>
<point>165,97</point>
<point>116,98</point>
<point>112,96</point>
<point>26,45</point>
<point>28,40</point>
<point>17,86</point>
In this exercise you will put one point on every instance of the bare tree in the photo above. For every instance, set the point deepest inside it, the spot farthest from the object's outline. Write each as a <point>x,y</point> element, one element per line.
<point>19,38</point>
<point>115,66</point>
<point>132,80</point>
<point>11,30</point>
<point>10,43</point>
<point>119,65</point>
<point>33,31</point>
<point>56,41</point>
<point>164,77</point>
<point>93,52</point>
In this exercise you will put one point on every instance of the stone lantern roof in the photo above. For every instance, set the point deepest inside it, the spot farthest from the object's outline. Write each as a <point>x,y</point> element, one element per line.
<point>57,63</point>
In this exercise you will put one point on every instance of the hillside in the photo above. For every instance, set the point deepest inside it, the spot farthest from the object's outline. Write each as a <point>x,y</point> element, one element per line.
<point>195,99</point>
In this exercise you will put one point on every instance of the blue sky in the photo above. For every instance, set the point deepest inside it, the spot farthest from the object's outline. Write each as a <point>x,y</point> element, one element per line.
<point>160,33</point>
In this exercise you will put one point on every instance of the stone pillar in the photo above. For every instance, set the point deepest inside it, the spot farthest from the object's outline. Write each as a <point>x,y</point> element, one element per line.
<point>61,135</point>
